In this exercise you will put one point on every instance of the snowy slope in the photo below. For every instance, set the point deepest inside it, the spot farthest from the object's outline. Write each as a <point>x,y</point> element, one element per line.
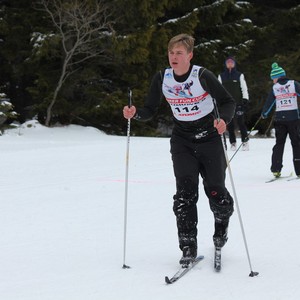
<point>61,221</point>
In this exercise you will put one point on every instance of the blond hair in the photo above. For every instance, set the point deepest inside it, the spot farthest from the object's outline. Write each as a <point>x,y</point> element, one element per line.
<point>182,39</point>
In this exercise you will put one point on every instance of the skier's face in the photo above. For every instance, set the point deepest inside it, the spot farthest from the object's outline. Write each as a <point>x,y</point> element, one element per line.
<point>179,59</point>
<point>230,64</point>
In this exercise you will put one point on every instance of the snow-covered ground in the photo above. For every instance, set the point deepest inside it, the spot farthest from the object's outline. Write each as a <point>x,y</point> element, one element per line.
<point>61,221</point>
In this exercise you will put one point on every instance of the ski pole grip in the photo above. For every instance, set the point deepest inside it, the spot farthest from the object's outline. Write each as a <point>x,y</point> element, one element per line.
<point>129,97</point>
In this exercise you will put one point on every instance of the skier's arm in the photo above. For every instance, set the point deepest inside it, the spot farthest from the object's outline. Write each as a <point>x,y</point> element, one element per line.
<point>225,102</point>
<point>297,87</point>
<point>220,78</point>
<point>268,105</point>
<point>152,101</point>
<point>244,88</point>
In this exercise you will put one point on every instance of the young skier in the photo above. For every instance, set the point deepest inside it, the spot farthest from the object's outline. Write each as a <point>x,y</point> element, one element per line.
<point>196,144</point>
<point>235,83</point>
<point>287,117</point>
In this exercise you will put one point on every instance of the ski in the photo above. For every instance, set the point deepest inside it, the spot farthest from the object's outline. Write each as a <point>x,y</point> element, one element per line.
<point>183,270</point>
<point>217,262</point>
<point>279,178</point>
<point>294,178</point>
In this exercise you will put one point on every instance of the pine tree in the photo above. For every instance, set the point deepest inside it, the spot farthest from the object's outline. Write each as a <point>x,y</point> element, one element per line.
<point>6,111</point>
<point>219,27</point>
<point>257,33</point>
<point>276,40</point>
<point>16,19</point>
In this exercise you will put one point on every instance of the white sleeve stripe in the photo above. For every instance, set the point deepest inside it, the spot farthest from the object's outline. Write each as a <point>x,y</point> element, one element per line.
<point>219,78</point>
<point>244,87</point>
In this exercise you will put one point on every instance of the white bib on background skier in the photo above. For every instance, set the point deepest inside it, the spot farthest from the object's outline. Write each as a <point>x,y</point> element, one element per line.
<point>286,96</point>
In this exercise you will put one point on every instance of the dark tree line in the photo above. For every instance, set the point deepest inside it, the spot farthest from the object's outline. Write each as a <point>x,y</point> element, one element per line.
<point>128,47</point>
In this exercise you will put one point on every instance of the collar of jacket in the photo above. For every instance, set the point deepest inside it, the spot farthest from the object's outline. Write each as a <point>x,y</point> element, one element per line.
<point>283,80</point>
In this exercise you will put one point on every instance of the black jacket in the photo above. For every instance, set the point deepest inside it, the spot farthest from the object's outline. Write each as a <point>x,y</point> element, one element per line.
<point>210,83</point>
<point>235,83</point>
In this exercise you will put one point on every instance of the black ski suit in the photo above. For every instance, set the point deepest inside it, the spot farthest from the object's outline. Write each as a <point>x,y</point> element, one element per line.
<point>196,149</point>
<point>235,83</point>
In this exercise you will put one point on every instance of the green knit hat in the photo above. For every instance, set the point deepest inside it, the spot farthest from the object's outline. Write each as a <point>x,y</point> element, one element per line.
<point>276,71</point>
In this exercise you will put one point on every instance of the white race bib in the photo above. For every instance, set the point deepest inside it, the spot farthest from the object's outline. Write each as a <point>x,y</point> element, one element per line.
<point>286,96</point>
<point>188,100</point>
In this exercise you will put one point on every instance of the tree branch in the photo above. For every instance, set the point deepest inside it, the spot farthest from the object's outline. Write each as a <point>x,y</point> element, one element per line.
<point>79,24</point>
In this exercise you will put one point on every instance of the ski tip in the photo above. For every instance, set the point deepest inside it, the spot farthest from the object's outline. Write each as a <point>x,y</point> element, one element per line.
<point>253,274</point>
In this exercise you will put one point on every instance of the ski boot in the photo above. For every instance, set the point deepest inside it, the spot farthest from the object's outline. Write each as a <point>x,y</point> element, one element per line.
<point>188,256</point>
<point>245,146</point>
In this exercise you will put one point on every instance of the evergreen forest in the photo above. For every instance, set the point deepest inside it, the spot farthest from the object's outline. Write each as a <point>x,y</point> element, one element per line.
<point>72,61</point>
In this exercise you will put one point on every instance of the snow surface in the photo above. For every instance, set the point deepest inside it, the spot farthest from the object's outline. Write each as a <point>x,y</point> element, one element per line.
<point>61,221</point>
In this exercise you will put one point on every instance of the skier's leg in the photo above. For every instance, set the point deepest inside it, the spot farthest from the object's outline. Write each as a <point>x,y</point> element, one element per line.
<point>231,128</point>
<point>294,134</point>
<point>185,210</point>
<point>213,168</point>
<point>221,205</point>
<point>243,128</point>
<point>187,180</point>
<point>277,154</point>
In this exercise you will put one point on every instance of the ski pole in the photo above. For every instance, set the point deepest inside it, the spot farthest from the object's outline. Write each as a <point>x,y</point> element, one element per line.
<point>247,138</point>
<point>126,182</point>
<point>252,273</point>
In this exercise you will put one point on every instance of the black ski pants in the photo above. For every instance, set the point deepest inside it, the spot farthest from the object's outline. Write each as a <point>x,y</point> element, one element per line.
<point>282,129</point>
<point>192,158</point>
<point>239,119</point>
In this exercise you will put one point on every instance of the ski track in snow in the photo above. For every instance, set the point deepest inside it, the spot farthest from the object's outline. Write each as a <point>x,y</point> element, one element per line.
<point>61,221</point>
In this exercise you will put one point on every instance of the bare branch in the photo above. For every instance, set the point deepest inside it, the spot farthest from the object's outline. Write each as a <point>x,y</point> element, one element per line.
<point>81,25</point>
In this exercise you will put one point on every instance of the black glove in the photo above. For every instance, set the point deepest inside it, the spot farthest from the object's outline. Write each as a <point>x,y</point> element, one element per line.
<point>239,110</point>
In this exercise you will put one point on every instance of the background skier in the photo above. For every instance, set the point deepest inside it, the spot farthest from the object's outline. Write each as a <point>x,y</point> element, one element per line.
<point>235,83</point>
<point>283,97</point>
